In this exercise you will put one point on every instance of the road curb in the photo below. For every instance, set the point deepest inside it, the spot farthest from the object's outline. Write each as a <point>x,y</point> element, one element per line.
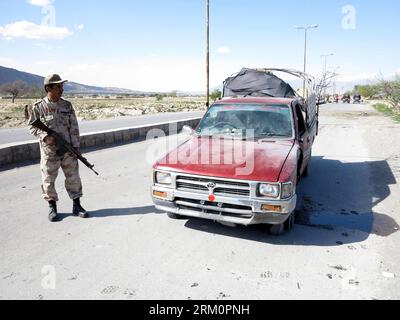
<point>15,153</point>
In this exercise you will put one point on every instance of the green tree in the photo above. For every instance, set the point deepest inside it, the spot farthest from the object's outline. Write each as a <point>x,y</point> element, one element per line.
<point>367,90</point>
<point>216,95</point>
<point>159,97</point>
<point>391,90</point>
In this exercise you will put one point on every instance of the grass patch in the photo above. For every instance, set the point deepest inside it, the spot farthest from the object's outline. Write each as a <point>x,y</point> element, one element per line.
<point>386,110</point>
<point>12,115</point>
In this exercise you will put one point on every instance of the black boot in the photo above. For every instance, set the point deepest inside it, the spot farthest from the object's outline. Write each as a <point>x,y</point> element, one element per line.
<point>53,211</point>
<point>78,210</point>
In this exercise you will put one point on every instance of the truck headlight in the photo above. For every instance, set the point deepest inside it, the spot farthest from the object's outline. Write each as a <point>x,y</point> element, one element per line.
<point>269,190</point>
<point>163,178</point>
<point>287,190</point>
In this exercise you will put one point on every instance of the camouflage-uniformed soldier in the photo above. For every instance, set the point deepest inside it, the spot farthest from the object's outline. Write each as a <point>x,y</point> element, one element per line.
<point>59,115</point>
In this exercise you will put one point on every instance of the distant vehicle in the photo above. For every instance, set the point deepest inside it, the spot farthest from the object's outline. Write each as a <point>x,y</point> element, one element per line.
<point>379,96</point>
<point>357,98</point>
<point>282,126</point>
<point>321,100</point>
<point>336,98</point>
<point>346,98</point>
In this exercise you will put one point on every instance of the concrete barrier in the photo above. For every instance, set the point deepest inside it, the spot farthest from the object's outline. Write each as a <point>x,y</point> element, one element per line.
<point>15,153</point>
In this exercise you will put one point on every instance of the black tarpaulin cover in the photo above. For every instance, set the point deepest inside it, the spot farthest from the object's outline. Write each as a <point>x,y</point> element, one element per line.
<point>250,82</point>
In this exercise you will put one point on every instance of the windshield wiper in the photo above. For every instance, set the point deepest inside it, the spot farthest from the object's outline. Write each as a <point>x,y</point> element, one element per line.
<point>221,136</point>
<point>205,136</point>
<point>269,136</point>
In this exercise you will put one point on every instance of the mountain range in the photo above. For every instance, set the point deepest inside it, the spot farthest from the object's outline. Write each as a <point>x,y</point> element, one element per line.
<point>8,75</point>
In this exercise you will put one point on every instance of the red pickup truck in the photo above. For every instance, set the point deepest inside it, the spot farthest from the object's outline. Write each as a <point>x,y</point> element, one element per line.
<point>242,164</point>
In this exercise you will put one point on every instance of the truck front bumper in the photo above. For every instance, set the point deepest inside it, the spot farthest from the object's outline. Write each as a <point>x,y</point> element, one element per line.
<point>233,210</point>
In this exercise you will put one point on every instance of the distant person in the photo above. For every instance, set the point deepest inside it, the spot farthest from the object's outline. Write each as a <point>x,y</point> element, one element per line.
<point>357,97</point>
<point>336,98</point>
<point>59,115</point>
<point>26,112</point>
<point>346,98</point>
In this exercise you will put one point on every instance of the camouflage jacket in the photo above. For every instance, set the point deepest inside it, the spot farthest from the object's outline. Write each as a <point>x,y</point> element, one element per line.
<point>58,116</point>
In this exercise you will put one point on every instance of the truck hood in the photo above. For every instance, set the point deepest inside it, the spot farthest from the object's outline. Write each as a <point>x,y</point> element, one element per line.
<point>231,159</point>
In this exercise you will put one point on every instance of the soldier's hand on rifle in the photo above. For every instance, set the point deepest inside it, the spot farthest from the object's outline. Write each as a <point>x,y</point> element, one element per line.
<point>50,141</point>
<point>74,155</point>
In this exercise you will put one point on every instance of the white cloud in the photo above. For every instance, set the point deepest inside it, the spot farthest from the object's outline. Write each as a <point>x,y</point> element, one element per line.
<point>40,3</point>
<point>46,63</point>
<point>391,75</point>
<point>224,50</point>
<point>5,61</point>
<point>81,27</point>
<point>357,77</point>
<point>153,73</point>
<point>147,74</point>
<point>29,30</point>
<point>42,45</point>
<point>156,73</point>
<point>11,63</point>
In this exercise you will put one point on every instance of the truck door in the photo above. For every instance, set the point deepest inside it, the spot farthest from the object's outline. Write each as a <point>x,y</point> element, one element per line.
<point>304,137</point>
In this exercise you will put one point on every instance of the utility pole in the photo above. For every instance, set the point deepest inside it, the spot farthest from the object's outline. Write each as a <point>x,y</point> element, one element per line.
<point>325,70</point>
<point>305,52</point>
<point>334,88</point>
<point>208,52</point>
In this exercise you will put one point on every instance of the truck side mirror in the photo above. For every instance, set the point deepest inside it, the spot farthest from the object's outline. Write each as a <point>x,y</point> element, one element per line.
<point>187,130</point>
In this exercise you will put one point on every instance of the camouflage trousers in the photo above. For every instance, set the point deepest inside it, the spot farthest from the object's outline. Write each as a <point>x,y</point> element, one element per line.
<point>50,166</point>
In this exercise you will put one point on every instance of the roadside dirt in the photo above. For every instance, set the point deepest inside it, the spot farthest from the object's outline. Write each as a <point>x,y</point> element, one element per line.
<point>14,115</point>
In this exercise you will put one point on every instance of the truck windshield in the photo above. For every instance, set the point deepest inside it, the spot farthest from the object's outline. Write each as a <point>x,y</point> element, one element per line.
<point>247,121</point>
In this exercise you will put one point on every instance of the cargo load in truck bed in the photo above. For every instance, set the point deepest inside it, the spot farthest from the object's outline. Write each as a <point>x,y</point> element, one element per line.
<point>264,83</point>
<point>252,82</point>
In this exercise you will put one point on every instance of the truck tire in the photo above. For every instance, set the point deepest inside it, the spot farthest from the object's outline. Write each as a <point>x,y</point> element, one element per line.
<point>289,223</point>
<point>277,229</point>
<point>175,216</point>
<point>307,170</point>
<point>299,175</point>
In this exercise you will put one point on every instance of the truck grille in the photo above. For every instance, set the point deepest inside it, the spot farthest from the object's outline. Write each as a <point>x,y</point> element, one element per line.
<point>223,209</point>
<point>222,187</point>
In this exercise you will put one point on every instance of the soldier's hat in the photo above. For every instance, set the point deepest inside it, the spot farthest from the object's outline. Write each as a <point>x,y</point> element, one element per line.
<point>53,79</point>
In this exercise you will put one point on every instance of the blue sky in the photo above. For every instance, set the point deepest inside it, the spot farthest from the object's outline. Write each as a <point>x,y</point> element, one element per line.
<point>160,44</point>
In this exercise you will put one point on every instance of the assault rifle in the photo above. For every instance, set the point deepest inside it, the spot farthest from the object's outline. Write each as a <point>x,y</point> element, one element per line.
<point>62,146</point>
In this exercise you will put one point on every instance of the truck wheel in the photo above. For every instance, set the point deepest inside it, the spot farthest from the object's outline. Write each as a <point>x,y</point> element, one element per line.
<point>298,173</point>
<point>175,216</point>
<point>277,229</point>
<point>289,223</point>
<point>307,170</point>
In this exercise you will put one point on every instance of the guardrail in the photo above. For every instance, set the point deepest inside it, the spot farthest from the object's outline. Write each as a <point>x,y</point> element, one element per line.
<point>15,153</point>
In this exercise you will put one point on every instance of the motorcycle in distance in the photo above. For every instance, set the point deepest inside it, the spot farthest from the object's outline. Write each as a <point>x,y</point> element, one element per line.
<point>346,98</point>
<point>357,99</point>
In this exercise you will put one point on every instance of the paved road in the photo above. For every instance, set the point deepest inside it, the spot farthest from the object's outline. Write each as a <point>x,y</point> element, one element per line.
<point>344,246</point>
<point>22,134</point>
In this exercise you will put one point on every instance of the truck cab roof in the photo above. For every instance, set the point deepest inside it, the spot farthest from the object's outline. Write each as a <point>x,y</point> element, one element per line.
<point>256,100</point>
